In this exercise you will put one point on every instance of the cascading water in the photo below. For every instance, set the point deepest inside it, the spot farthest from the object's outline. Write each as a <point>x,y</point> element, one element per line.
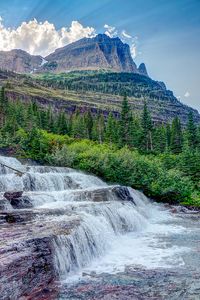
<point>87,224</point>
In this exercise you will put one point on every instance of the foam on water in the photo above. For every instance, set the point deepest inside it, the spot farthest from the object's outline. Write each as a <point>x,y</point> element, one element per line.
<point>111,233</point>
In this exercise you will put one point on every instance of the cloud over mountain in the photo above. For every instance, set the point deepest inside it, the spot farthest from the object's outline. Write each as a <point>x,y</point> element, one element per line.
<point>41,37</point>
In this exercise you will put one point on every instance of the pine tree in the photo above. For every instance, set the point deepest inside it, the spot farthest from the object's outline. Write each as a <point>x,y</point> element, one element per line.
<point>147,127</point>
<point>89,124</point>
<point>51,121</point>
<point>135,132</point>
<point>110,129</point>
<point>125,123</point>
<point>100,128</point>
<point>191,132</point>
<point>79,129</point>
<point>168,137</point>
<point>3,106</point>
<point>159,139</point>
<point>61,126</point>
<point>176,136</point>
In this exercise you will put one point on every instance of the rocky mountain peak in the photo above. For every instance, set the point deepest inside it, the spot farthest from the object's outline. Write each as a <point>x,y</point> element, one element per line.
<point>143,70</point>
<point>99,52</point>
<point>19,61</point>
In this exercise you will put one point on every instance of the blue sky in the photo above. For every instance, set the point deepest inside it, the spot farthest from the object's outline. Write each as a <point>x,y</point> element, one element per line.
<point>168,32</point>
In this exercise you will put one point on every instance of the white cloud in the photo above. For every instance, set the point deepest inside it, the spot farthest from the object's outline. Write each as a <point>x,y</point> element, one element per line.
<point>110,30</point>
<point>133,50</point>
<point>41,37</point>
<point>126,35</point>
<point>187,94</point>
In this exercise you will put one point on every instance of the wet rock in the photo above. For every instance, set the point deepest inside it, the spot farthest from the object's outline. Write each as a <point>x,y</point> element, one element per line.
<point>136,283</point>
<point>100,195</point>
<point>12,195</point>
<point>23,273</point>
<point>10,218</point>
<point>22,202</point>
<point>122,192</point>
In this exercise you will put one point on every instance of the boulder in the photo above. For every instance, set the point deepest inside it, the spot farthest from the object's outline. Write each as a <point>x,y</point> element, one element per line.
<point>12,195</point>
<point>21,202</point>
<point>122,193</point>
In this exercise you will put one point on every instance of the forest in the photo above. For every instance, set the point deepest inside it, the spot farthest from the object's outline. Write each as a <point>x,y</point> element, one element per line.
<point>134,85</point>
<point>162,160</point>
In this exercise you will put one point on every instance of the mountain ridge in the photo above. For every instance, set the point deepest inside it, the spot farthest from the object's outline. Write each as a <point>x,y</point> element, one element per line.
<point>20,61</point>
<point>96,92</point>
<point>50,80</point>
<point>99,52</point>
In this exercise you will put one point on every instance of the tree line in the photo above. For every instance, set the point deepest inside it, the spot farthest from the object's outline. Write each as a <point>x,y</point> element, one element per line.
<point>163,160</point>
<point>128,130</point>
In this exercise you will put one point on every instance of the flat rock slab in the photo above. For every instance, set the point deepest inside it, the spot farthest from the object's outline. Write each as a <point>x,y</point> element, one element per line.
<point>136,284</point>
<point>27,255</point>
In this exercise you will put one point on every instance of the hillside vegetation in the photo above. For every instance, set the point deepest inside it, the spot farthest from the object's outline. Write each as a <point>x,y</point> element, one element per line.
<point>161,160</point>
<point>97,92</point>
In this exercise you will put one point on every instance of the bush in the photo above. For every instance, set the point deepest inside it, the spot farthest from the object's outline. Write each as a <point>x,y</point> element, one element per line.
<point>126,167</point>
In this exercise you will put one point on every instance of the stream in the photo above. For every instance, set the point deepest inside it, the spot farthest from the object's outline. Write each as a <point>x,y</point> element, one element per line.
<point>69,235</point>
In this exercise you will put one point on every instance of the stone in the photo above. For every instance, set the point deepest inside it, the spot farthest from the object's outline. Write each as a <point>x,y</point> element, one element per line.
<point>13,195</point>
<point>21,202</point>
<point>19,61</point>
<point>122,192</point>
<point>142,70</point>
<point>99,52</point>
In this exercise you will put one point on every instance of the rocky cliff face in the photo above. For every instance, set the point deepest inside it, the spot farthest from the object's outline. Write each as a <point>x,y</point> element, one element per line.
<point>89,96</point>
<point>19,61</point>
<point>100,52</point>
<point>142,69</point>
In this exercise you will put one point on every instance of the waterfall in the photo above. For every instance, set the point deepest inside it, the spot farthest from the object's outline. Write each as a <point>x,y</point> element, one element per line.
<point>83,215</point>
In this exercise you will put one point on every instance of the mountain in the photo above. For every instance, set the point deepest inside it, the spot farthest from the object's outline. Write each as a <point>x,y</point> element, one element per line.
<point>89,74</point>
<point>97,53</point>
<point>19,61</point>
<point>96,91</point>
<point>142,69</point>
<point>100,52</point>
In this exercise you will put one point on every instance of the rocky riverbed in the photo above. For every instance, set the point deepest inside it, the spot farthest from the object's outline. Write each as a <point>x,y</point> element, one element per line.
<point>68,235</point>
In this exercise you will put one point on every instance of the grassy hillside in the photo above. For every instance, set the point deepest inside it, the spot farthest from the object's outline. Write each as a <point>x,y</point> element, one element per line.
<point>96,91</point>
<point>162,161</point>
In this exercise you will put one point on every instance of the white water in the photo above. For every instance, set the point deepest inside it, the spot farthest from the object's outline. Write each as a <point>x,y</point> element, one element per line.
<point>111,234</point>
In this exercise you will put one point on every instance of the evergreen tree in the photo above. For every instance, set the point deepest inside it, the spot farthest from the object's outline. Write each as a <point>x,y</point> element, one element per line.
<point>79,129</point>
<point>147,127</point>
<point>176,136</point>
<point>125,123</point>
<point>110,129</point>
<point>89,124</point>
<point>190,164</point>
<point>191,132</point>
<point>61,126</point>
<point>51,122</point>
<point>135,132</point>
<point>168,137</point>
<point>100,128</point>
<point>159,139</point>
<point>3,106</point>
